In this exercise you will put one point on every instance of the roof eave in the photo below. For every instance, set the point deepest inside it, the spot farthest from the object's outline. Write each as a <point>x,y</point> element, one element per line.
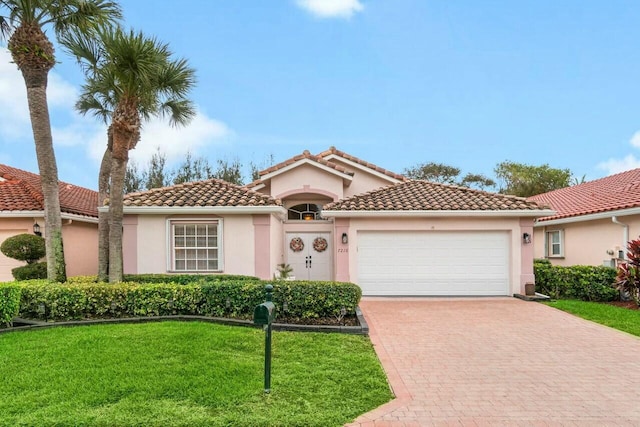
<point>362,167</point>
<point>306,161</point>
<point>40,214</point>
<point>587,217</point>
<point>218,210</point>
<point>531,213</point>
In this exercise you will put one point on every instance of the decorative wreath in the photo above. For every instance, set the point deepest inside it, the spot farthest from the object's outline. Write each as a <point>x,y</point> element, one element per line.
<point>296,244</point>
<point>320,244</point>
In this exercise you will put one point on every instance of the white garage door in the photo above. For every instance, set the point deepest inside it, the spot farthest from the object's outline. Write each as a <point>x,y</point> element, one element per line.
<point>6,263</point>
<point>433,263</point>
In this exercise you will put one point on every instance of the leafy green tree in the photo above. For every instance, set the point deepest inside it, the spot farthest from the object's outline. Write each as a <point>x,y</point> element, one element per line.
<point>434,172</point>
<point>134,179</point>
<point>193,169</point>
<point>524,180</point>
<point>23,23</point>
<point>156,175</point>
<point>132,77</point>
<point>229,170</point>
<point>445,174</point>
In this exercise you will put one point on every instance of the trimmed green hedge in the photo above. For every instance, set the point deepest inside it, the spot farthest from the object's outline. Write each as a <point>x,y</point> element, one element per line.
<point>583,282</point>
<point>230,298</point>
<point>9,302</point>
<point>181,279</point>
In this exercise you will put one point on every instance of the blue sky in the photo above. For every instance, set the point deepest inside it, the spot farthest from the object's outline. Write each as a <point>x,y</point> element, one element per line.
<point>395,82</point>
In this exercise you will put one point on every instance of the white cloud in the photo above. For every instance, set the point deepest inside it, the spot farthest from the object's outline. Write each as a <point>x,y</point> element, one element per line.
<point>176,142</point>
<point>626,163</point>
<point>613,166</point>
<point>331,8</point>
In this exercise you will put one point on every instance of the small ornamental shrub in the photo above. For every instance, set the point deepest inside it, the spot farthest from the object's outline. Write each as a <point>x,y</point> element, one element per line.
<point>628,278</point>
<point>37,270</point>
<point>9,302</point>
<point>24,247</point>
<point>583,282</point>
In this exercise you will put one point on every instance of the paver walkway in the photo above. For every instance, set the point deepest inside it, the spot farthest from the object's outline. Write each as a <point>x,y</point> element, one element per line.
<point>500,361</point>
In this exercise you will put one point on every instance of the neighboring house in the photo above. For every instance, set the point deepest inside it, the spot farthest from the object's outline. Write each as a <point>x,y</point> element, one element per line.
<point>22,207</point>
<point>333,216</point>
<point>593,221</point>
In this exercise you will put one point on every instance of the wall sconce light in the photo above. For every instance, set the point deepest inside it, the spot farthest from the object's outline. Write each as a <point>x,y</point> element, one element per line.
<point>36,229</point>
<point>526,238</point>
<point>345,238</point>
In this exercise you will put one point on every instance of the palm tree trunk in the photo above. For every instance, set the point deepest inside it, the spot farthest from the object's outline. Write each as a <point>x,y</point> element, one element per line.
<point>103,217</point>
<point>36,82</point>
<point>118,170</point>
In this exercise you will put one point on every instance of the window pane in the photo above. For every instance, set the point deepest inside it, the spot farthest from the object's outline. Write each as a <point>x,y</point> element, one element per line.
<point>179,242</point>
<point>202,265</point>
<point>555,249</point>
<point>190,230</point>
<point>180,265</point>
<point>212,242</point>
<point>180,254</point>
<point>202,229</point>
<point>191,264</point>
<point>213,264</point>
<point>190,242</point>
<point>195,247</point>
<point>179,230</point>
<point>201,242</point>
<point>555,237</point>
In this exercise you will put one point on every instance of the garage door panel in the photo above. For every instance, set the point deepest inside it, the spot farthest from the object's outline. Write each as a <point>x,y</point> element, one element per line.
<point>433,263</point>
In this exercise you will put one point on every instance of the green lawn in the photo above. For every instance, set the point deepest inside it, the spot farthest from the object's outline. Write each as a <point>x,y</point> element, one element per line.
<point>184,374</point>
<point>616,317</point>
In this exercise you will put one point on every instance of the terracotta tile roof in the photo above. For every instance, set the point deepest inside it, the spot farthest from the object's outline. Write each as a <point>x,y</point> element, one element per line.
<point>212,192</point>
<point>334,150</point>
<point>620,191</point>
<point>320,158</point>
<point>429,196</point>
<point>21,191</point>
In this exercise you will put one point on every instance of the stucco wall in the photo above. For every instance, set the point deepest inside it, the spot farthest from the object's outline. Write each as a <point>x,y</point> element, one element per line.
<point>587,242</point>
<point>363,180</point>
<point>518,275</point>
<point>151,243</point>
<point>80,245</point>
<point>315,179</point>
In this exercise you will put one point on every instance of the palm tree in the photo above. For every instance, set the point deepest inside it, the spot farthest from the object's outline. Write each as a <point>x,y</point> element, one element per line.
<point>24,26</point>
<point>130,78</point>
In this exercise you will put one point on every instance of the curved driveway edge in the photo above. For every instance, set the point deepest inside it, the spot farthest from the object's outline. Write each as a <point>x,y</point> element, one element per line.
<point>500,361</point>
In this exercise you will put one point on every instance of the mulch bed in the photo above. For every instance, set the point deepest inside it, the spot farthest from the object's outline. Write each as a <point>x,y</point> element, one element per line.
<point>631,305</point>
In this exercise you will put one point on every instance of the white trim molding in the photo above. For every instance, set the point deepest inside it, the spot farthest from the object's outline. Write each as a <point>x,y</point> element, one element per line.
<point>40,214</point>
<point>201,210</point>
<point>438,213</point>
<point>588,217</point>
<point>362,167</point>
<point>310,162</point>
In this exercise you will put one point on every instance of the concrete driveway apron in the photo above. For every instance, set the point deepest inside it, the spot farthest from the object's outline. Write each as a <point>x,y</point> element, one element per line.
<point>500,361</point>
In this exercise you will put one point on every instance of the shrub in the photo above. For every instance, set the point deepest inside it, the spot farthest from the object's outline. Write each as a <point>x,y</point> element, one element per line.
<point>9,302</point>
<point>24,247</point>
<point>185,279</point>
<point>37,270</point>
<point>231,298</point>
<point>583,282</point>
<point>628,277</point>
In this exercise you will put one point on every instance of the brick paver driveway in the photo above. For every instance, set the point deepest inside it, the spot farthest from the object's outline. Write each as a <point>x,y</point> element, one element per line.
<point>500,361</point>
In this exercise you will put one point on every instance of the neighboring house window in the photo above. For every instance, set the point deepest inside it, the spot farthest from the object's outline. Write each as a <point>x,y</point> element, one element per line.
<point>195,245</point>
<point>305,212</point>
<point>555,244</point>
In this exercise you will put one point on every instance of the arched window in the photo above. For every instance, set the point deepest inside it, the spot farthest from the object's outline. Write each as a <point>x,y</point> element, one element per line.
<point>305,212</point>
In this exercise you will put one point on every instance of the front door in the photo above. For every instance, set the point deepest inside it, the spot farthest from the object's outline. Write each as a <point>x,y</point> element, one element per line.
<point>309,255</point>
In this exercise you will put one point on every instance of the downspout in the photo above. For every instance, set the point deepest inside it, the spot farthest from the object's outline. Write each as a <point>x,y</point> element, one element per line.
<point>625,235</point>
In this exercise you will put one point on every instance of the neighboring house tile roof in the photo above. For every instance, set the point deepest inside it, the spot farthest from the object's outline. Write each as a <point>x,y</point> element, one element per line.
<point>21,191</point>
<point>429,196</point>
<point>334,150</point>
<point>212,192</point>
<point>320,158</point>
<point>615,192</point>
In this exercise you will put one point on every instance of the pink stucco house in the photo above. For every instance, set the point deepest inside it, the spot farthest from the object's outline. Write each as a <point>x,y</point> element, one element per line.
<point>593,221</point>
<point>333,216</point>
<point>22,206</point>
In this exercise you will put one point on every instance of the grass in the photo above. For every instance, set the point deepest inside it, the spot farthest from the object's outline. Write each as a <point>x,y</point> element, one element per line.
<point>619,318</point>
<point>184,374</point>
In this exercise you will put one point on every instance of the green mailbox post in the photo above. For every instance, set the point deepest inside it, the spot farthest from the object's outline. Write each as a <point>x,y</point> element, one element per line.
<point>264,314</point>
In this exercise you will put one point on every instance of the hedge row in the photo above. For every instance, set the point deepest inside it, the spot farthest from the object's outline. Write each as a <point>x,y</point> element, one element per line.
<point>231,298</point>
<point>583,282</point>
<point>9,302</point>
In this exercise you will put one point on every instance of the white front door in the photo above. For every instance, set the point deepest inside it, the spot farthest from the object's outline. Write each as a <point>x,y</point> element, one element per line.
<point>309,255</point>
